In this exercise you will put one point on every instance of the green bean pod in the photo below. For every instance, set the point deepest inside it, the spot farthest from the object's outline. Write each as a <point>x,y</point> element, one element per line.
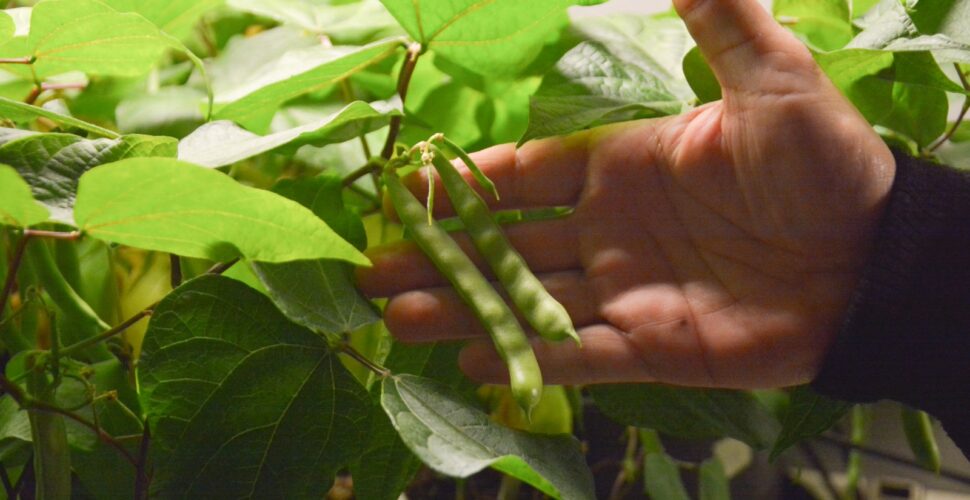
<point>546,315</point>
<point>510,341</point>
<point>919,434</point>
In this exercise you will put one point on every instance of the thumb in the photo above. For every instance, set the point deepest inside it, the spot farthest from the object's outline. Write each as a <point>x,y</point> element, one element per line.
<point>746,48</point>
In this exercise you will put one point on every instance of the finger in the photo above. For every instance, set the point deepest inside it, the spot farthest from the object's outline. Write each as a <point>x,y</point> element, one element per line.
<point>439,314</point>
<point>543,173</point>
<point>744,45</point>
<point>547,246</point>
<point>606,356</point>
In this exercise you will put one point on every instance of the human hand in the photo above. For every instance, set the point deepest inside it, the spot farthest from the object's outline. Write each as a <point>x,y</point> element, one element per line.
<point>718,248</point>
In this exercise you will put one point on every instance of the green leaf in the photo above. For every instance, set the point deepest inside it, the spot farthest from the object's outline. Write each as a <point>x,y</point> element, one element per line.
<point>222,142</point>
<point>241,402</point>
<point>172,206</point>
<point>17,205</point>
<point>15,436</point>
<point>89,36</point>
<point>947,17</point>
<point>450,109</point>
<point>630,68</point>
<point>713,481</point>
<point>320,294</point>
<point>824,24</point>
<point>172,111</point>
<point>700,77</point>
<point>386,465</point>
<point>349,23</point>
<point>687,412</point>
<point>888,26</point>
<point>903,91</point>
<point>489,37</point>
<point>809,414</point>
<point>21,112</point>
<point>52,163</point>
<point>661,478</point>
<point>656,44</point>
<point>103,471</point>
<point>456,439</point>
<point>7,27</point>
<point>253,103</point>
<point>591,87</point>
<point>175,17</point>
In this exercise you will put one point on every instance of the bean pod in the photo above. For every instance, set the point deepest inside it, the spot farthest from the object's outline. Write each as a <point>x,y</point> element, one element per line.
<point>543,312</point>
<point>509,339</point>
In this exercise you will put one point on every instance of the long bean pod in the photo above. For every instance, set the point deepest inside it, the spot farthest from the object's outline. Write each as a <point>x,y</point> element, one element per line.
<point>510,341</point>
<point>546,315</point>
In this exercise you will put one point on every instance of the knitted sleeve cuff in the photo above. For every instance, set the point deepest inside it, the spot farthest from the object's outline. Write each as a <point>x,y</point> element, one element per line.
<point>906,335</point>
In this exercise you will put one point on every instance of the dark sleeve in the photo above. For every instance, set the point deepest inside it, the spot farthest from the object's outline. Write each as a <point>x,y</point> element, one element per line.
<point>906,335</point>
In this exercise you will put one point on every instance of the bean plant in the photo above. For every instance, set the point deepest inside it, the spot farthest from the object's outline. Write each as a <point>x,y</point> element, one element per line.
<point>187,185</point>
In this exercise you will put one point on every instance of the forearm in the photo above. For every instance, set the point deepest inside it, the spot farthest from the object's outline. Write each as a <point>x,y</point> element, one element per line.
<point>906,335</point>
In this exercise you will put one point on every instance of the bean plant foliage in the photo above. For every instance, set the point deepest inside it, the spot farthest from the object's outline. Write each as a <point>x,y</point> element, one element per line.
<point>186,187</point>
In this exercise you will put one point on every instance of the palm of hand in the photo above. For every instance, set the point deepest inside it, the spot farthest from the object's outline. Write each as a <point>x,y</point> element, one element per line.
<point>716,248</point>
<point>723,244</point>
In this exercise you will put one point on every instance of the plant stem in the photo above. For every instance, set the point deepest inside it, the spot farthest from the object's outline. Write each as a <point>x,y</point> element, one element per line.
<point>218,269</point>
<point>111,332</point>
<point>960,116</point>
<point>29,403</point>
<point>403,82</point>
<point>59,290</point>
<point>16,60</point>
<point>346,348</point>
<point>54,235</point>
<point>854,463</point>
<point>628,467</point>
<point>12,269</point>
<point>107,334</point>
<point>175,266</point>
<point>141,474</point>
<point>52,454</point>
<point>369,168</point>
<point>63,86</point>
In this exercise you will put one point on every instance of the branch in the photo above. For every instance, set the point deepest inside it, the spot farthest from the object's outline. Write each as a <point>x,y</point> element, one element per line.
<point>107,334</point>
<point>960,116</point>
<point>141,476</point>
<point>349,350</point>
<point>371,167</point>
<point>403,81</point>
<point>18,256</point>
<point>30,404</point>
<point>111,332</point>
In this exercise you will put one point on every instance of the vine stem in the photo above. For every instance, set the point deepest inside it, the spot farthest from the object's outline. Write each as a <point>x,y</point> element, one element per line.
<point>126,324</point>
<point>369,168</point>
<point>345,348</point>
<point>403,82</point>
<point>18,257</point>
<point>30,404</point>
<point>960,116</point>
<point>141,475</point>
